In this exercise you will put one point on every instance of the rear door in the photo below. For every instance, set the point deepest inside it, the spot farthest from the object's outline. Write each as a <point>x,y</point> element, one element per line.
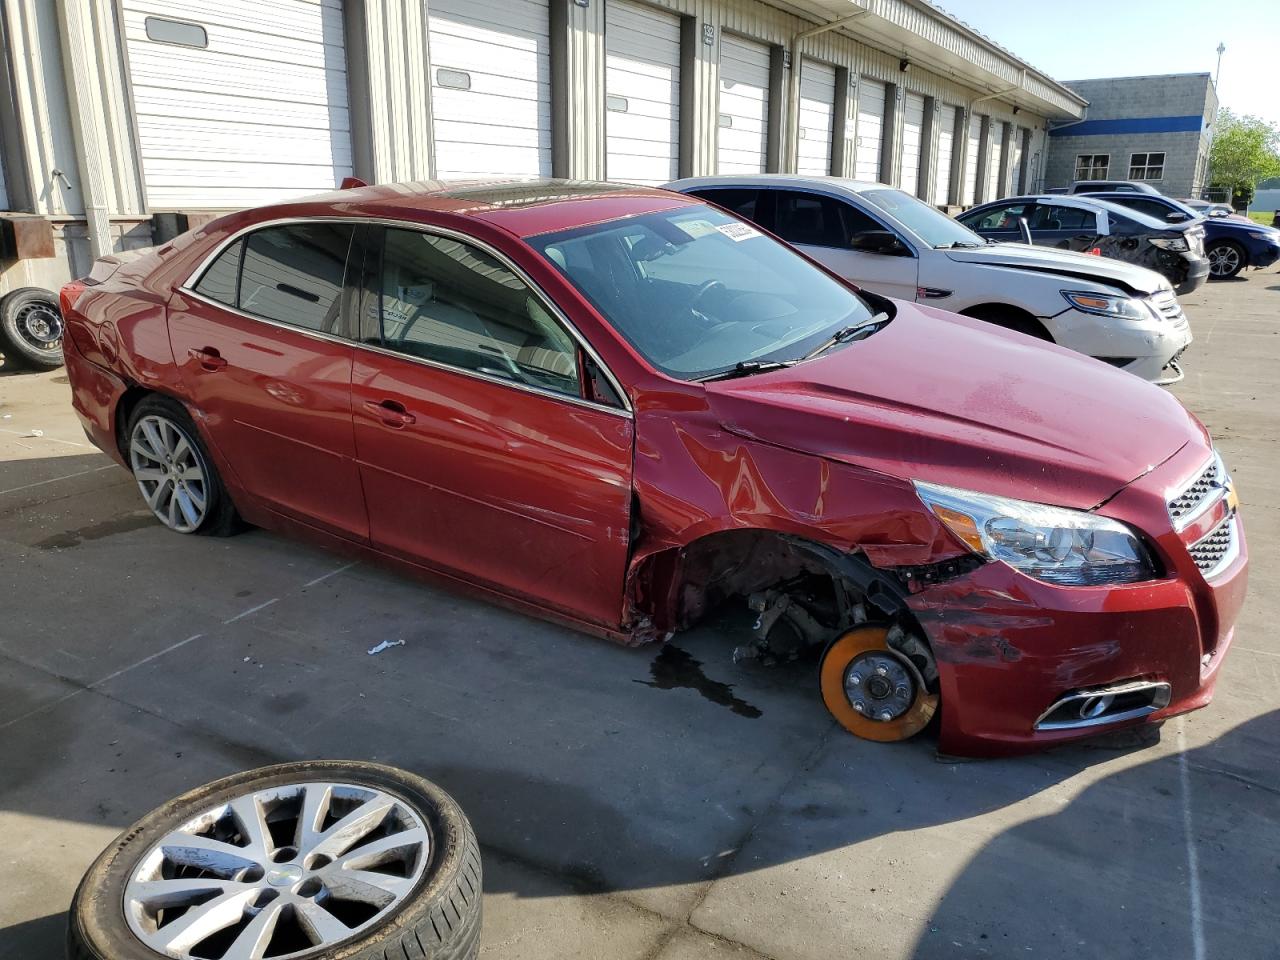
<point>477,453</point>
<point>1069,228</point>
<point>999,222</point>
<point>266,360</point>
<point>823,227</point>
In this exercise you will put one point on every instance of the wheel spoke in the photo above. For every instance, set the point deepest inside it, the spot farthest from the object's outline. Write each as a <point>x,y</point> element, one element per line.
<point>197,497</point>
<point>173,506</point>
<point>189,511</point>
<point>315,804</point>
<point>154,439</point>
<point>253,940</point>
<point>361,821</point>
<point>365,886</point>
<point>165,894</point>
<point>191,474</point>
<point>156,495</point>
<point>319,924</point>
<point>379,851</point>
<point>203,921</point>
<point>150,474</point>
<point>206,853</point>
<point>140,448</point>
<point>248,812</point>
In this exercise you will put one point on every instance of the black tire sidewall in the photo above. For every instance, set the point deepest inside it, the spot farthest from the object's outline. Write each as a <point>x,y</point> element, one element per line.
<point>1240,264</point>
<point>215,493</point>
<point>13,341</point>
<point>97,928</point>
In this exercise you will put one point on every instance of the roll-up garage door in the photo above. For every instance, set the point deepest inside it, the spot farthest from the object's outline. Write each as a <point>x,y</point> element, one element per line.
<point>996,143</point>
<point>946,151</point>
<point>239,102</point>
<point>744,106</point>
<point>971,160</point>
<point>642,93</point>
<point>817,116</point>
<point>870,129</point>
<point>912,136</point>
<point>490,87</point>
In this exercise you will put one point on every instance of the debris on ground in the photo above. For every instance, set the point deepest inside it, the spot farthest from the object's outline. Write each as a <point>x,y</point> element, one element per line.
<point>385,645</point>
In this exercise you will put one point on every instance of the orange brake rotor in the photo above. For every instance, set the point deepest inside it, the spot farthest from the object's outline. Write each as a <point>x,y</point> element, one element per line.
<point>857,644</point>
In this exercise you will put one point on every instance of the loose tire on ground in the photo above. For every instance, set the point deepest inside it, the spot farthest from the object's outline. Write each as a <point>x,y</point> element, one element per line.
<point>31,328</point>
<point>1226,259</point>
<point>175,474</point>
<point>436,916</point>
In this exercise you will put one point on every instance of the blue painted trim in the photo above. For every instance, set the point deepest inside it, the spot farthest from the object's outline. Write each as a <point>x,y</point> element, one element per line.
<point>1099,128</point>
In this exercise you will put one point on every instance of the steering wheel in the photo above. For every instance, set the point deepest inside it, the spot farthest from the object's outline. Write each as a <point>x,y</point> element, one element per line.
<point>703,289</point>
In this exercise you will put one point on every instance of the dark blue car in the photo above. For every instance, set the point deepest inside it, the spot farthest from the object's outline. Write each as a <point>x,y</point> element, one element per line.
<point>1230,245</point>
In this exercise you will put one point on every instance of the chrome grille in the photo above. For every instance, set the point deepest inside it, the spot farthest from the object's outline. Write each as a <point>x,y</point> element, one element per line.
<point>1208,484</point>
<point>1166,305</point>
<point>1216,548</point>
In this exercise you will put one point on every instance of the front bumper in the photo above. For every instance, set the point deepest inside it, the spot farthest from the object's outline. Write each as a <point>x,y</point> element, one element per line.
<point>1009,647</point>
<point>1193,275</point>
<point>1148,350</point>
<point>1263,254</point>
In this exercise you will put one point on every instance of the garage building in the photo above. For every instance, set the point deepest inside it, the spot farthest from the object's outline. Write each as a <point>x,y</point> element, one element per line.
<point>123,122</point>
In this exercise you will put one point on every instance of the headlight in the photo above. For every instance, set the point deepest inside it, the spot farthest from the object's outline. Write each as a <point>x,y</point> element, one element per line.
<point>1070,547</point>
<point>1108,305</point>
<point>1177,244</point>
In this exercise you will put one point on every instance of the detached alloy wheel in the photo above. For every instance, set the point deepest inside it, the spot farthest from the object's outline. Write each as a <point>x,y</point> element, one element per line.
<point>31,327</point>
<point>317,860</point>
<point>872,690</point>
<point>1226,259</point>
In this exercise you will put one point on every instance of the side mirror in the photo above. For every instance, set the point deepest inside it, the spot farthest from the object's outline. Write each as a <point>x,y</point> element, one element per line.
<point>1175,216</point>
<point>878,241</point>
<point>1025,230</point>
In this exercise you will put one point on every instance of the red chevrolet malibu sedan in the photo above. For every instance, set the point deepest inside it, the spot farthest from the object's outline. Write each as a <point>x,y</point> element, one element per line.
<point>621,408</point>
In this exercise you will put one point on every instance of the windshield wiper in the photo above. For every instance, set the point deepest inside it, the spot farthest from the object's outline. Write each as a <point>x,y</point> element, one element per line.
<point>961,243</point>
<point>745,368</point>
<point>849,334</point>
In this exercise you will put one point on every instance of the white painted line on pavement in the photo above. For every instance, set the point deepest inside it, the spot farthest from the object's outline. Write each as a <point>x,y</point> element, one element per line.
<point>1193,856</point>
<point>68,476</point>
<point>30,436</point>
<point>331,573</point>
<point>261,606</point>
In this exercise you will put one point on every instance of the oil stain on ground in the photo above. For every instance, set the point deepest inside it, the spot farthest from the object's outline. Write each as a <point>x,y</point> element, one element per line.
<point>96,531</point>
<point>674,669</point>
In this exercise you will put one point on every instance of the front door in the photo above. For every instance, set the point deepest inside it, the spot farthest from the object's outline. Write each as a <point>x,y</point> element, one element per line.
<point>478,455</point>
<point>824,227</point>
<point>266,362</point>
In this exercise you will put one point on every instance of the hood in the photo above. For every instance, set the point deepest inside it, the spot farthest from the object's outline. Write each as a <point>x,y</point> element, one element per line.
<point>1019,256</point>
<point>939,397</point>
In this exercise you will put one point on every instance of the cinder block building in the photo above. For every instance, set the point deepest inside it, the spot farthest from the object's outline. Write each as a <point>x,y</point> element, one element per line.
<point>123,121</point>
<point>1155,129</point>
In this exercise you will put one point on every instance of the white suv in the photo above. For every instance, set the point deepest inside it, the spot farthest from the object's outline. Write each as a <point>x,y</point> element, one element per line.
<point>891,243</point>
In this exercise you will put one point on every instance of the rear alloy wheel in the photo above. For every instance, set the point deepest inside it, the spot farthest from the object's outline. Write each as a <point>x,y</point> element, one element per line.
<point>1226,259</point>
<point>175,475</point>
<point>872,690</point>
<point>302,861</point>
<point>31,327</point>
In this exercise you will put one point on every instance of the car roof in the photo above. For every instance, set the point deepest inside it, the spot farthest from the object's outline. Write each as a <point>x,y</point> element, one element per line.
<point>524,207</point>
<point>847,184</point>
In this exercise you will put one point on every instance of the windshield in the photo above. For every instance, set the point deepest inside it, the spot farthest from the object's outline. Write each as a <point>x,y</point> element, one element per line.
<point>698,292</point>
<point>932,226</point>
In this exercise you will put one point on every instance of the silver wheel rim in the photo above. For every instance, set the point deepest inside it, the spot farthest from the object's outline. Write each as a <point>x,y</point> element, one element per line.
<point>1223,260</point>
<point>284,872</point>
<point>881,686</point>
<point>170,473</point>
<point>41,326</point>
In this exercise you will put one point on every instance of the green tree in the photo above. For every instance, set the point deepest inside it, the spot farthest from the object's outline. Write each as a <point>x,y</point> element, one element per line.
<point>1245,150</point>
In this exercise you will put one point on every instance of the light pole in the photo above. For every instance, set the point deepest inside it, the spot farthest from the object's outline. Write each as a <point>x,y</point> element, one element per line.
<point>1222,48</point>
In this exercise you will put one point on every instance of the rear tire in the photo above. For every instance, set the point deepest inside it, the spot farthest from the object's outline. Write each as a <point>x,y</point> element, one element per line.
<point>31,327</point>
<point>437,918</point>
<point>176,476</point>
<point>1226,259</point>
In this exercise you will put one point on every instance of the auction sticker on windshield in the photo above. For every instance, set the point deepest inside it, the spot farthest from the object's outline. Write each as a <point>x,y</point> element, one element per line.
<point>737,232</point>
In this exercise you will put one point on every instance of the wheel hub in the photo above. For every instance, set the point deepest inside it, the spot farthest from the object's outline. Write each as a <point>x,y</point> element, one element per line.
<point>284,876</point>
<point>879,686</point>
<point>42,326</point>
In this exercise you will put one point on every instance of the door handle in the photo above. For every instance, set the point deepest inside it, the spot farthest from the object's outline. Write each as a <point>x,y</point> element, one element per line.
<point>390,412</point>
<point>207,357</point>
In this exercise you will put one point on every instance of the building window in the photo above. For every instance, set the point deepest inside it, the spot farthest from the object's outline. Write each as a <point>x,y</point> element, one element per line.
<point>1146,166</point>
<point>1092,166</point>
